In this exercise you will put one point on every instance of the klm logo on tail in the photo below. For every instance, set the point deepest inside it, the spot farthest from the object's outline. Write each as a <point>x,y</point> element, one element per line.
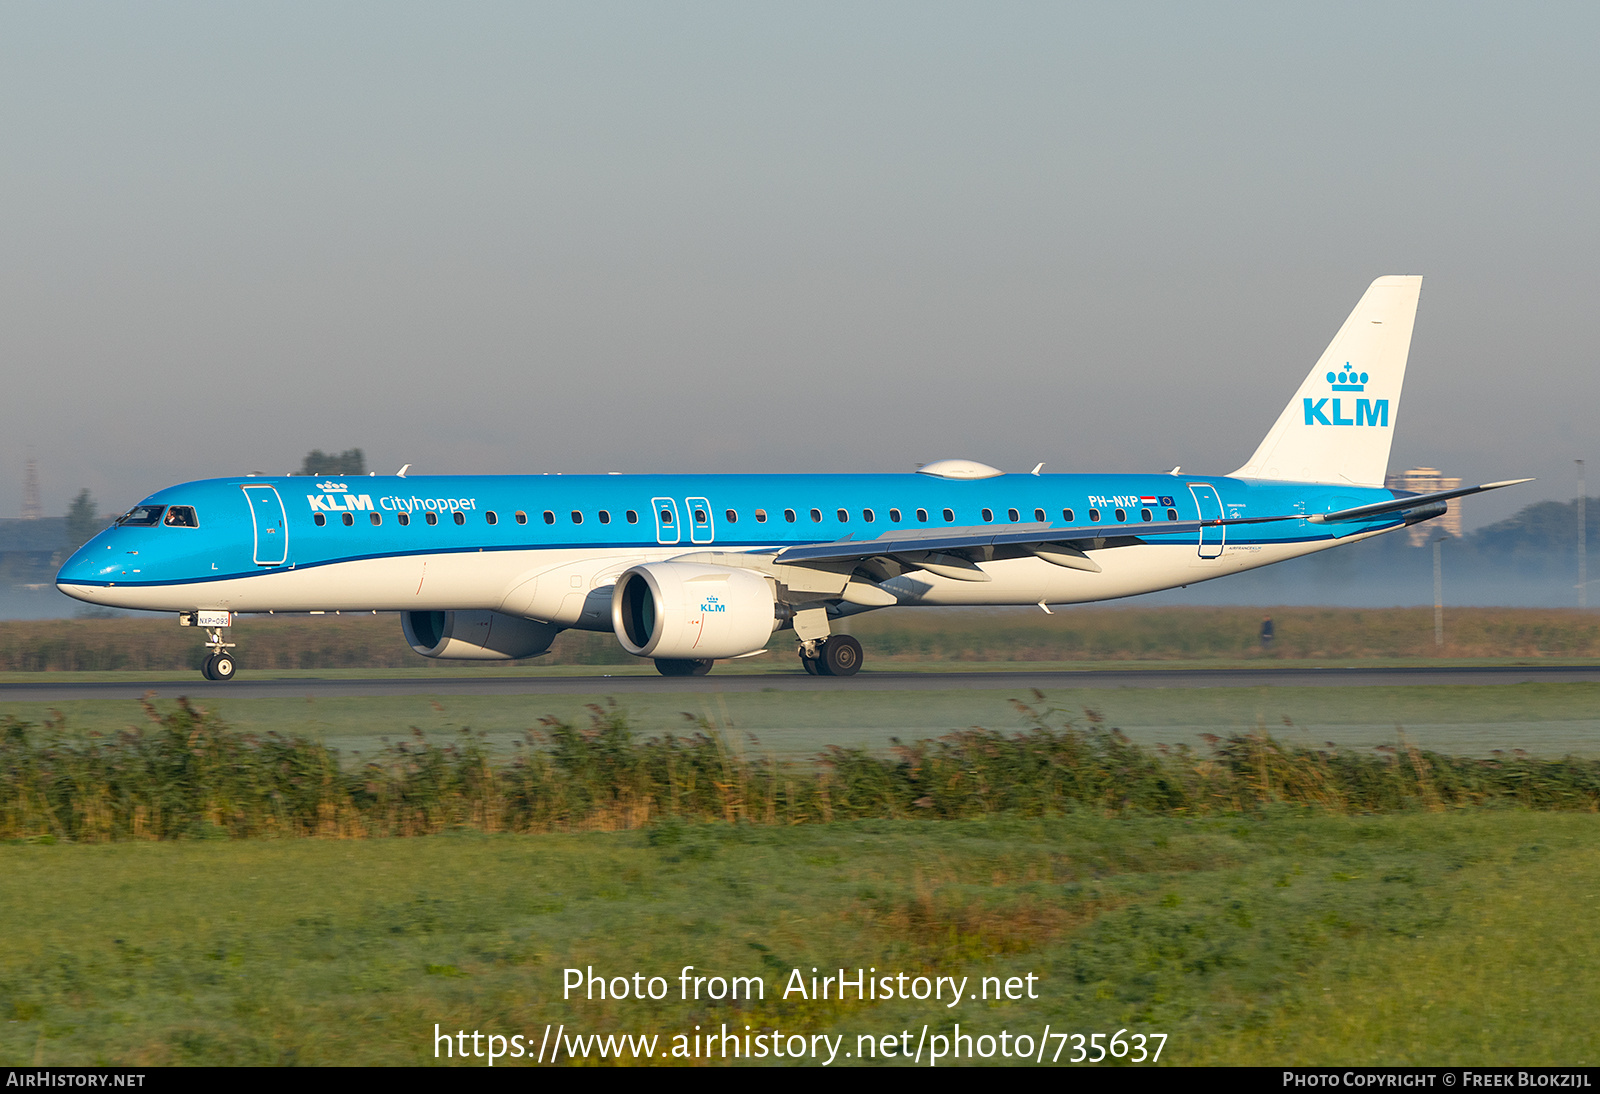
<point>1367,411</point>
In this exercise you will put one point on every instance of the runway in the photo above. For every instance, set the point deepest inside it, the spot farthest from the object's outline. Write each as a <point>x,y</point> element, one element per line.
<point>67,690</point>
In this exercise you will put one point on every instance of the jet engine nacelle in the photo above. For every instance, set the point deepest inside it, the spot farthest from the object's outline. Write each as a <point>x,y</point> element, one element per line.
<point>476,636</point>
<point>683,610</point>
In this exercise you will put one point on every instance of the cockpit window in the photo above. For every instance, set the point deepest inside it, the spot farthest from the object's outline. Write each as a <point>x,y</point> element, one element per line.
<point>181,516</point>
<point>141,516</point>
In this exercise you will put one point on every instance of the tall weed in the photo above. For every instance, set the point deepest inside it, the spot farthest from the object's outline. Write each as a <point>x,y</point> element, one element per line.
<point>184,774</point>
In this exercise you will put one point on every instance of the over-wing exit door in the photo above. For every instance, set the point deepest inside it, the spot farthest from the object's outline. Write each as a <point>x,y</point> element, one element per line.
<point>701,529</point>
<point>666,519</point>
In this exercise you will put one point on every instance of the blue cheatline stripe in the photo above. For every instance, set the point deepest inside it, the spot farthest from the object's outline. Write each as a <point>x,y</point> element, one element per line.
<point>292,566</point>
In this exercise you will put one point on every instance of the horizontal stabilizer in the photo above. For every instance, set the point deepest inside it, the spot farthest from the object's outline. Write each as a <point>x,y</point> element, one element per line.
<point>1413,501</point>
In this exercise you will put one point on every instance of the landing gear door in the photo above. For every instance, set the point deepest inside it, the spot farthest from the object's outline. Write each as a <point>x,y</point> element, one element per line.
<point>667,525</point>
<point>271,526</point>
<point>701,529</point>
<point>1209,503</point>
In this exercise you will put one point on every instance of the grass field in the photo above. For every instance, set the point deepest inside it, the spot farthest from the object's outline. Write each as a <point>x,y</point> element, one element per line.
<point>1543,719</point>
<point>1464,938</point>
<point>1270,935</point>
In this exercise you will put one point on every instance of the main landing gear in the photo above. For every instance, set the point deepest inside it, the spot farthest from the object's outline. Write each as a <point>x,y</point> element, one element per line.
<point>670,666</point>
<point>836,655</point>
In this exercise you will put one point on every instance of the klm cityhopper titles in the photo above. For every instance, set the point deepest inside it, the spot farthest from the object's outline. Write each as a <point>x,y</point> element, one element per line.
<point>688,569</point>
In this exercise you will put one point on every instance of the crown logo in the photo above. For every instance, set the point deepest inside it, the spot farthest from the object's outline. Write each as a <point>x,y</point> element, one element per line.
<point>1348,379</point>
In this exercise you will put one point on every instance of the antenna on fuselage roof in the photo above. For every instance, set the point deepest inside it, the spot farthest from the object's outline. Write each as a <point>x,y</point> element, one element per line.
<point>400,474</point>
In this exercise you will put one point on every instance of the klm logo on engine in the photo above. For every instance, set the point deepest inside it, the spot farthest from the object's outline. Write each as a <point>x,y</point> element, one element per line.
<point>1366,411</point>
<point>712,604</point>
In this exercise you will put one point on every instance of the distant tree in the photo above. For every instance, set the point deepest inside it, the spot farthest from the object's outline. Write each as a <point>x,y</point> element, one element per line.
<point>1544,526</point>
<point>349,462</point>
<point>83,520</point>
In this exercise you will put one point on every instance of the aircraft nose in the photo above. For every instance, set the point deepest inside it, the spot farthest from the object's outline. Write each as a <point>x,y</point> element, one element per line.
<point>89,563</point>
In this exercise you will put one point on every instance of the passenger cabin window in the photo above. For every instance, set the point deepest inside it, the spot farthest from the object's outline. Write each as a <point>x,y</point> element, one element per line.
<point>460,517</point>
<point>788,515</point>
<point>666,516</point>
<point>816,516</point>
<point>1144,515</point>
<point>431,517</point>
<point>181,516</point>
<point>403,518</point>
<point>732,516</point>
<point>1038,515</point>
<point>491,517</point>
<point>141,516</point>
<point>894,515</point>
<point>1094,515</point>
<point>922,516</point>
<point>1066,515</point>
<point>761,516</point>
<point>320,519</point>
<point>605,516</point>
<point>868,515</point>
<point>633,516</point>
<point>949,516</point>
<point>844,516</point>
<point>577,517</point>
<point>1172,514</point>
<point>1013,516</point>
<point>988,515</point>
<point>1122,515</point>
<point>699,516</point>
<point>522,518</point>
<point>349,519</point>
<point>549,517</point>
<point>375,518</point>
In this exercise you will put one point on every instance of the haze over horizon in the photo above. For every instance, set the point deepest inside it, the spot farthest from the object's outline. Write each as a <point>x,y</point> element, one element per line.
<point>722,237</point>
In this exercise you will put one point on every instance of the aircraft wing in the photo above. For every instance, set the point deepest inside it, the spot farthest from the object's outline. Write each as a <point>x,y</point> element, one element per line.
<point>915,546</point>
<point>954,552</point>
<point>938,540</point>
<point>1361,512</point>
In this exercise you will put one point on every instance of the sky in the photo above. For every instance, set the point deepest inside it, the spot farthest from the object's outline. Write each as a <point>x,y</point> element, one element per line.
<point>773,237</point>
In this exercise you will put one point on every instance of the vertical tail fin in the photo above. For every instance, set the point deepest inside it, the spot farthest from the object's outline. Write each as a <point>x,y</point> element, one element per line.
<point>1339,425</point>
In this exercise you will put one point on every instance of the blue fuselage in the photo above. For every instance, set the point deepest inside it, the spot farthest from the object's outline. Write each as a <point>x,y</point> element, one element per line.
<point>253,528</point>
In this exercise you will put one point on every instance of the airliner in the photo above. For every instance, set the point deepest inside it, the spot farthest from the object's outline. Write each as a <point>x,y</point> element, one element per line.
<point>690,569</point>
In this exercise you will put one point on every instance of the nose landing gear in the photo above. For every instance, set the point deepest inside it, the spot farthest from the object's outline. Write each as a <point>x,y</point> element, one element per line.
<point>220,666</point>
